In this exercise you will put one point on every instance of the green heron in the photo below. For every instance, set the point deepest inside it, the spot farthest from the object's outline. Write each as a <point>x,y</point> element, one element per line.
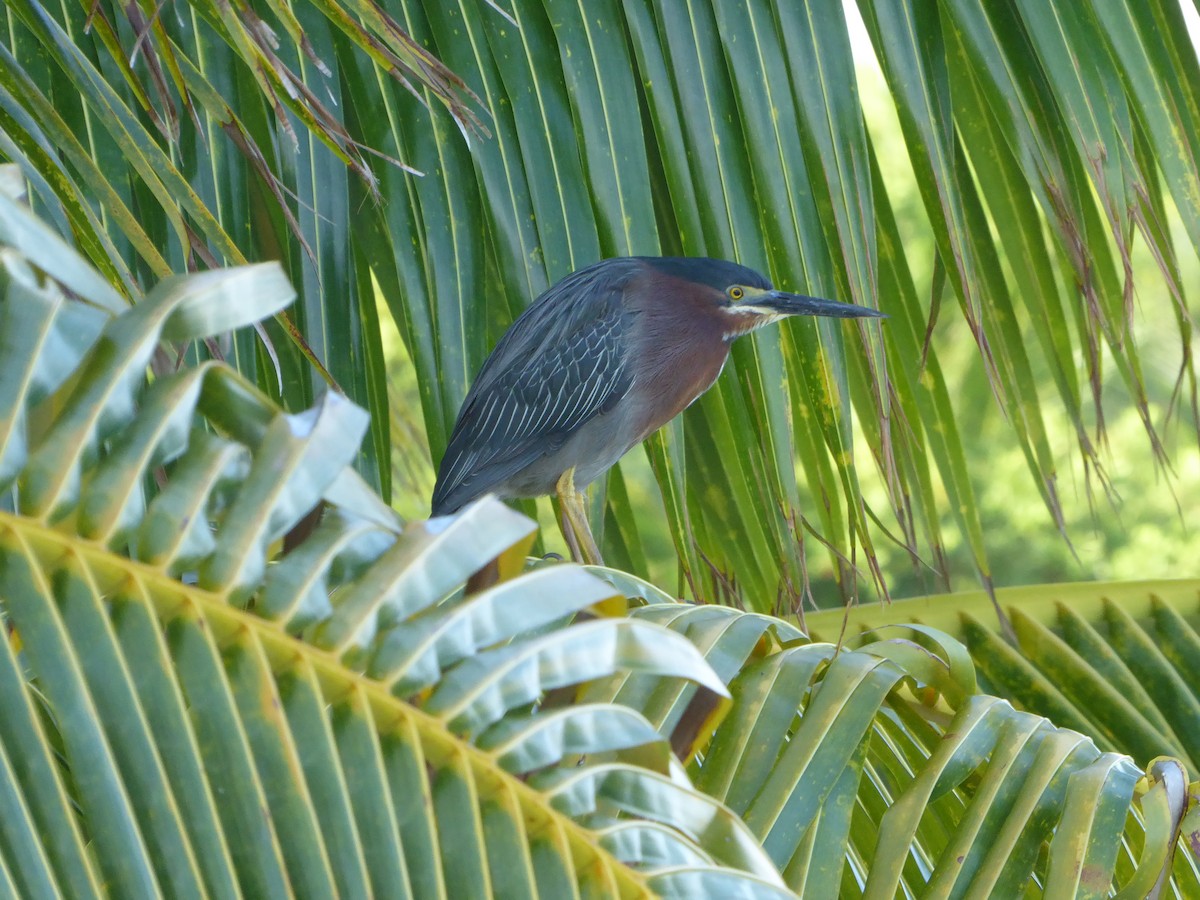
<point>596,364</point>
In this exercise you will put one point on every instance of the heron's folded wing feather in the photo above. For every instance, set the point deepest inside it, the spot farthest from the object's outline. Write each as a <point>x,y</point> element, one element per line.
<point>562,363</point>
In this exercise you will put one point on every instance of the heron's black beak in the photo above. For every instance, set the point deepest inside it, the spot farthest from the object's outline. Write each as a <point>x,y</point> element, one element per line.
<point>783,303</point>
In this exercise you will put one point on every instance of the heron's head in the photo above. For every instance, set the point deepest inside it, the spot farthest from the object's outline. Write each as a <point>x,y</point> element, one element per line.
<point>747,299</point>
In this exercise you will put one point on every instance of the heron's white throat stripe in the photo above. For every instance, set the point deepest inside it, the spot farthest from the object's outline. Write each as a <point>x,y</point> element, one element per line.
<point>742,318</point>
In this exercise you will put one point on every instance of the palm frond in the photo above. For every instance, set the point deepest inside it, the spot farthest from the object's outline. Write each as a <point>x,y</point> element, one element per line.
<point>882,771</point>
<point>1049,143</point>
<point>189,708</point>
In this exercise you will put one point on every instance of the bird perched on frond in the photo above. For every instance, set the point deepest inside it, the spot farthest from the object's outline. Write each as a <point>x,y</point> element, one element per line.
<point>595,365</point>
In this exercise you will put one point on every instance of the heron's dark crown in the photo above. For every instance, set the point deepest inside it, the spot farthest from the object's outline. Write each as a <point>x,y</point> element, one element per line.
<point>715,273</point>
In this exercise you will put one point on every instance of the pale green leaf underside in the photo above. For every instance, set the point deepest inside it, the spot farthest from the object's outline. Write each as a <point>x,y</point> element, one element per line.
<point>190,710</point>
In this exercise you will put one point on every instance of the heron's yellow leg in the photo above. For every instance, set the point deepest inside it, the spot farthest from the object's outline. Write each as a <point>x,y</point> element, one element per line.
<point>575,524</point>
<point>568,530</point>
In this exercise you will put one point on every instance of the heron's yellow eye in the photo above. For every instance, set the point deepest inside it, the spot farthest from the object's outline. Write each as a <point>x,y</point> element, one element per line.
<point>736,293</point>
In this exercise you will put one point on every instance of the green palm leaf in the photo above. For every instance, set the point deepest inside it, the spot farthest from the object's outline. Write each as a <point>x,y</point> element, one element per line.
<point>1045,140</point>
<point>882,772</point>
<point>189,710</point>
<point>1112,660</point>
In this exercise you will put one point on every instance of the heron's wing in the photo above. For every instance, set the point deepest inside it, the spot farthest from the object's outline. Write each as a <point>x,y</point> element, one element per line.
<point>562,363</point>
